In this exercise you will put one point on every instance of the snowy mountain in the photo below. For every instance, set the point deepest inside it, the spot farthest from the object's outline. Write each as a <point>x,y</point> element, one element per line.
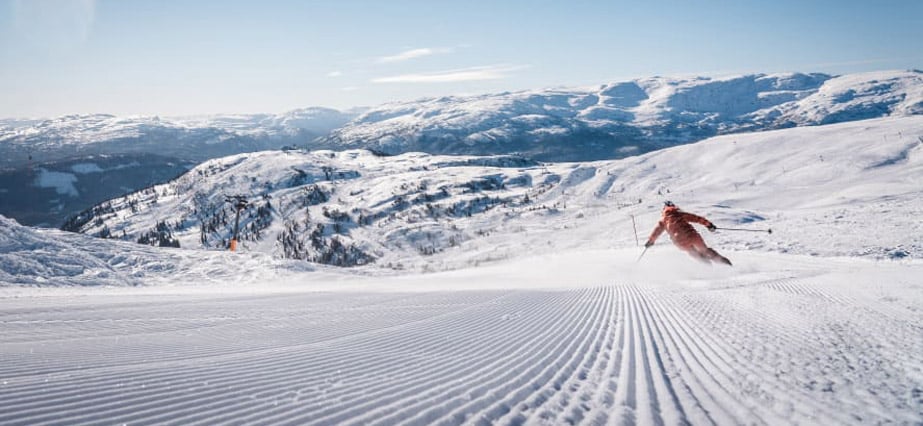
<point>812,185</point>
<point>627,118</point>
<point>184,138</point>
<point>610,121</point>
<point>51,169</point>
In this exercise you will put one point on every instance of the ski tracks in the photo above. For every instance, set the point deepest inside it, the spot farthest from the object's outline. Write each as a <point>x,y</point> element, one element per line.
<point>768,352</point>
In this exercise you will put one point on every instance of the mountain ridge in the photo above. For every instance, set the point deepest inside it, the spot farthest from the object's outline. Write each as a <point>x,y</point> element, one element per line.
<point>610,120</point>
<point>628,118</point>
<point>187,138</point>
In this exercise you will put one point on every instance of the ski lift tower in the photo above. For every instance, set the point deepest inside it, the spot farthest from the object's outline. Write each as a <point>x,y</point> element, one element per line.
<point>239,202</point>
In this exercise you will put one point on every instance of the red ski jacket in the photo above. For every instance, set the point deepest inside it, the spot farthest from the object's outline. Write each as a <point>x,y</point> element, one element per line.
<point>677,225</point>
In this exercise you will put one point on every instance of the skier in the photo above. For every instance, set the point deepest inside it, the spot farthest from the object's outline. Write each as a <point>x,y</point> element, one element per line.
<point>684,236</point>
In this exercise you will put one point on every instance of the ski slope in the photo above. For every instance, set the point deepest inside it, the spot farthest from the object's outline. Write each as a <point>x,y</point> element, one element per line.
<point>778,340</point>
<point>546,317</point>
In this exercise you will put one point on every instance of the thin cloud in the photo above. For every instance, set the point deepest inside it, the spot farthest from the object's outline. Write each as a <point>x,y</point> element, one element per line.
<point>334,74</point>
<point>414,53</point>
<point>492,72</point>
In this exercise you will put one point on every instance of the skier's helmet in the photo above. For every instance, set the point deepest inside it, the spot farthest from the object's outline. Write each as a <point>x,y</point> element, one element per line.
<point>668,204</point>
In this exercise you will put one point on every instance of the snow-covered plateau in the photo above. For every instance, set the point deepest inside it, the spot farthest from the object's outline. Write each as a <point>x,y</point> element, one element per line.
<point>496,290</point>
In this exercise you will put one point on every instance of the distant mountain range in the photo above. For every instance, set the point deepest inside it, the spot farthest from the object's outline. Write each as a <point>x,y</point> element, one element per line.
<point>184,138</point>
<point>608,121</point>
<point>605,122</point>
<point>629,118</point>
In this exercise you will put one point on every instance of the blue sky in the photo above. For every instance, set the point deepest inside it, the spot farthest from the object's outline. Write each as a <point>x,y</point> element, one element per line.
<point>169,57</point>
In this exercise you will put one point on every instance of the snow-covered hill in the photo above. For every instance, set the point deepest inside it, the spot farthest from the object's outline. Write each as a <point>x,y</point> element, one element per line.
<point>627,118</point>
<point>49,258</point>
<point>186,138</point>
<point>821,189</point>
<point>52,169</point>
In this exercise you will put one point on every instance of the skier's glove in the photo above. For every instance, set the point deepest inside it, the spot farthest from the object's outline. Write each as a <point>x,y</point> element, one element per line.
<point>648,244</point>
<point>712,227</point>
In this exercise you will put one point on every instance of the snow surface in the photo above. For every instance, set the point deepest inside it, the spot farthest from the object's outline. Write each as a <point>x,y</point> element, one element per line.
<point>820,322</point>
<point>48,258</point>
<point>585,337</point>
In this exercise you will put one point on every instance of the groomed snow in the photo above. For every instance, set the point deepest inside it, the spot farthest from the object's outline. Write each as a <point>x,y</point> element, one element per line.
<point>584,337</point>
<point>550,319</point>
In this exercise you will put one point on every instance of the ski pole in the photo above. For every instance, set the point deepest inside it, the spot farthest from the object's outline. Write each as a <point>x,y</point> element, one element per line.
<point>642,254</point>
<point>768,231</point>
<point>635,227</point>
